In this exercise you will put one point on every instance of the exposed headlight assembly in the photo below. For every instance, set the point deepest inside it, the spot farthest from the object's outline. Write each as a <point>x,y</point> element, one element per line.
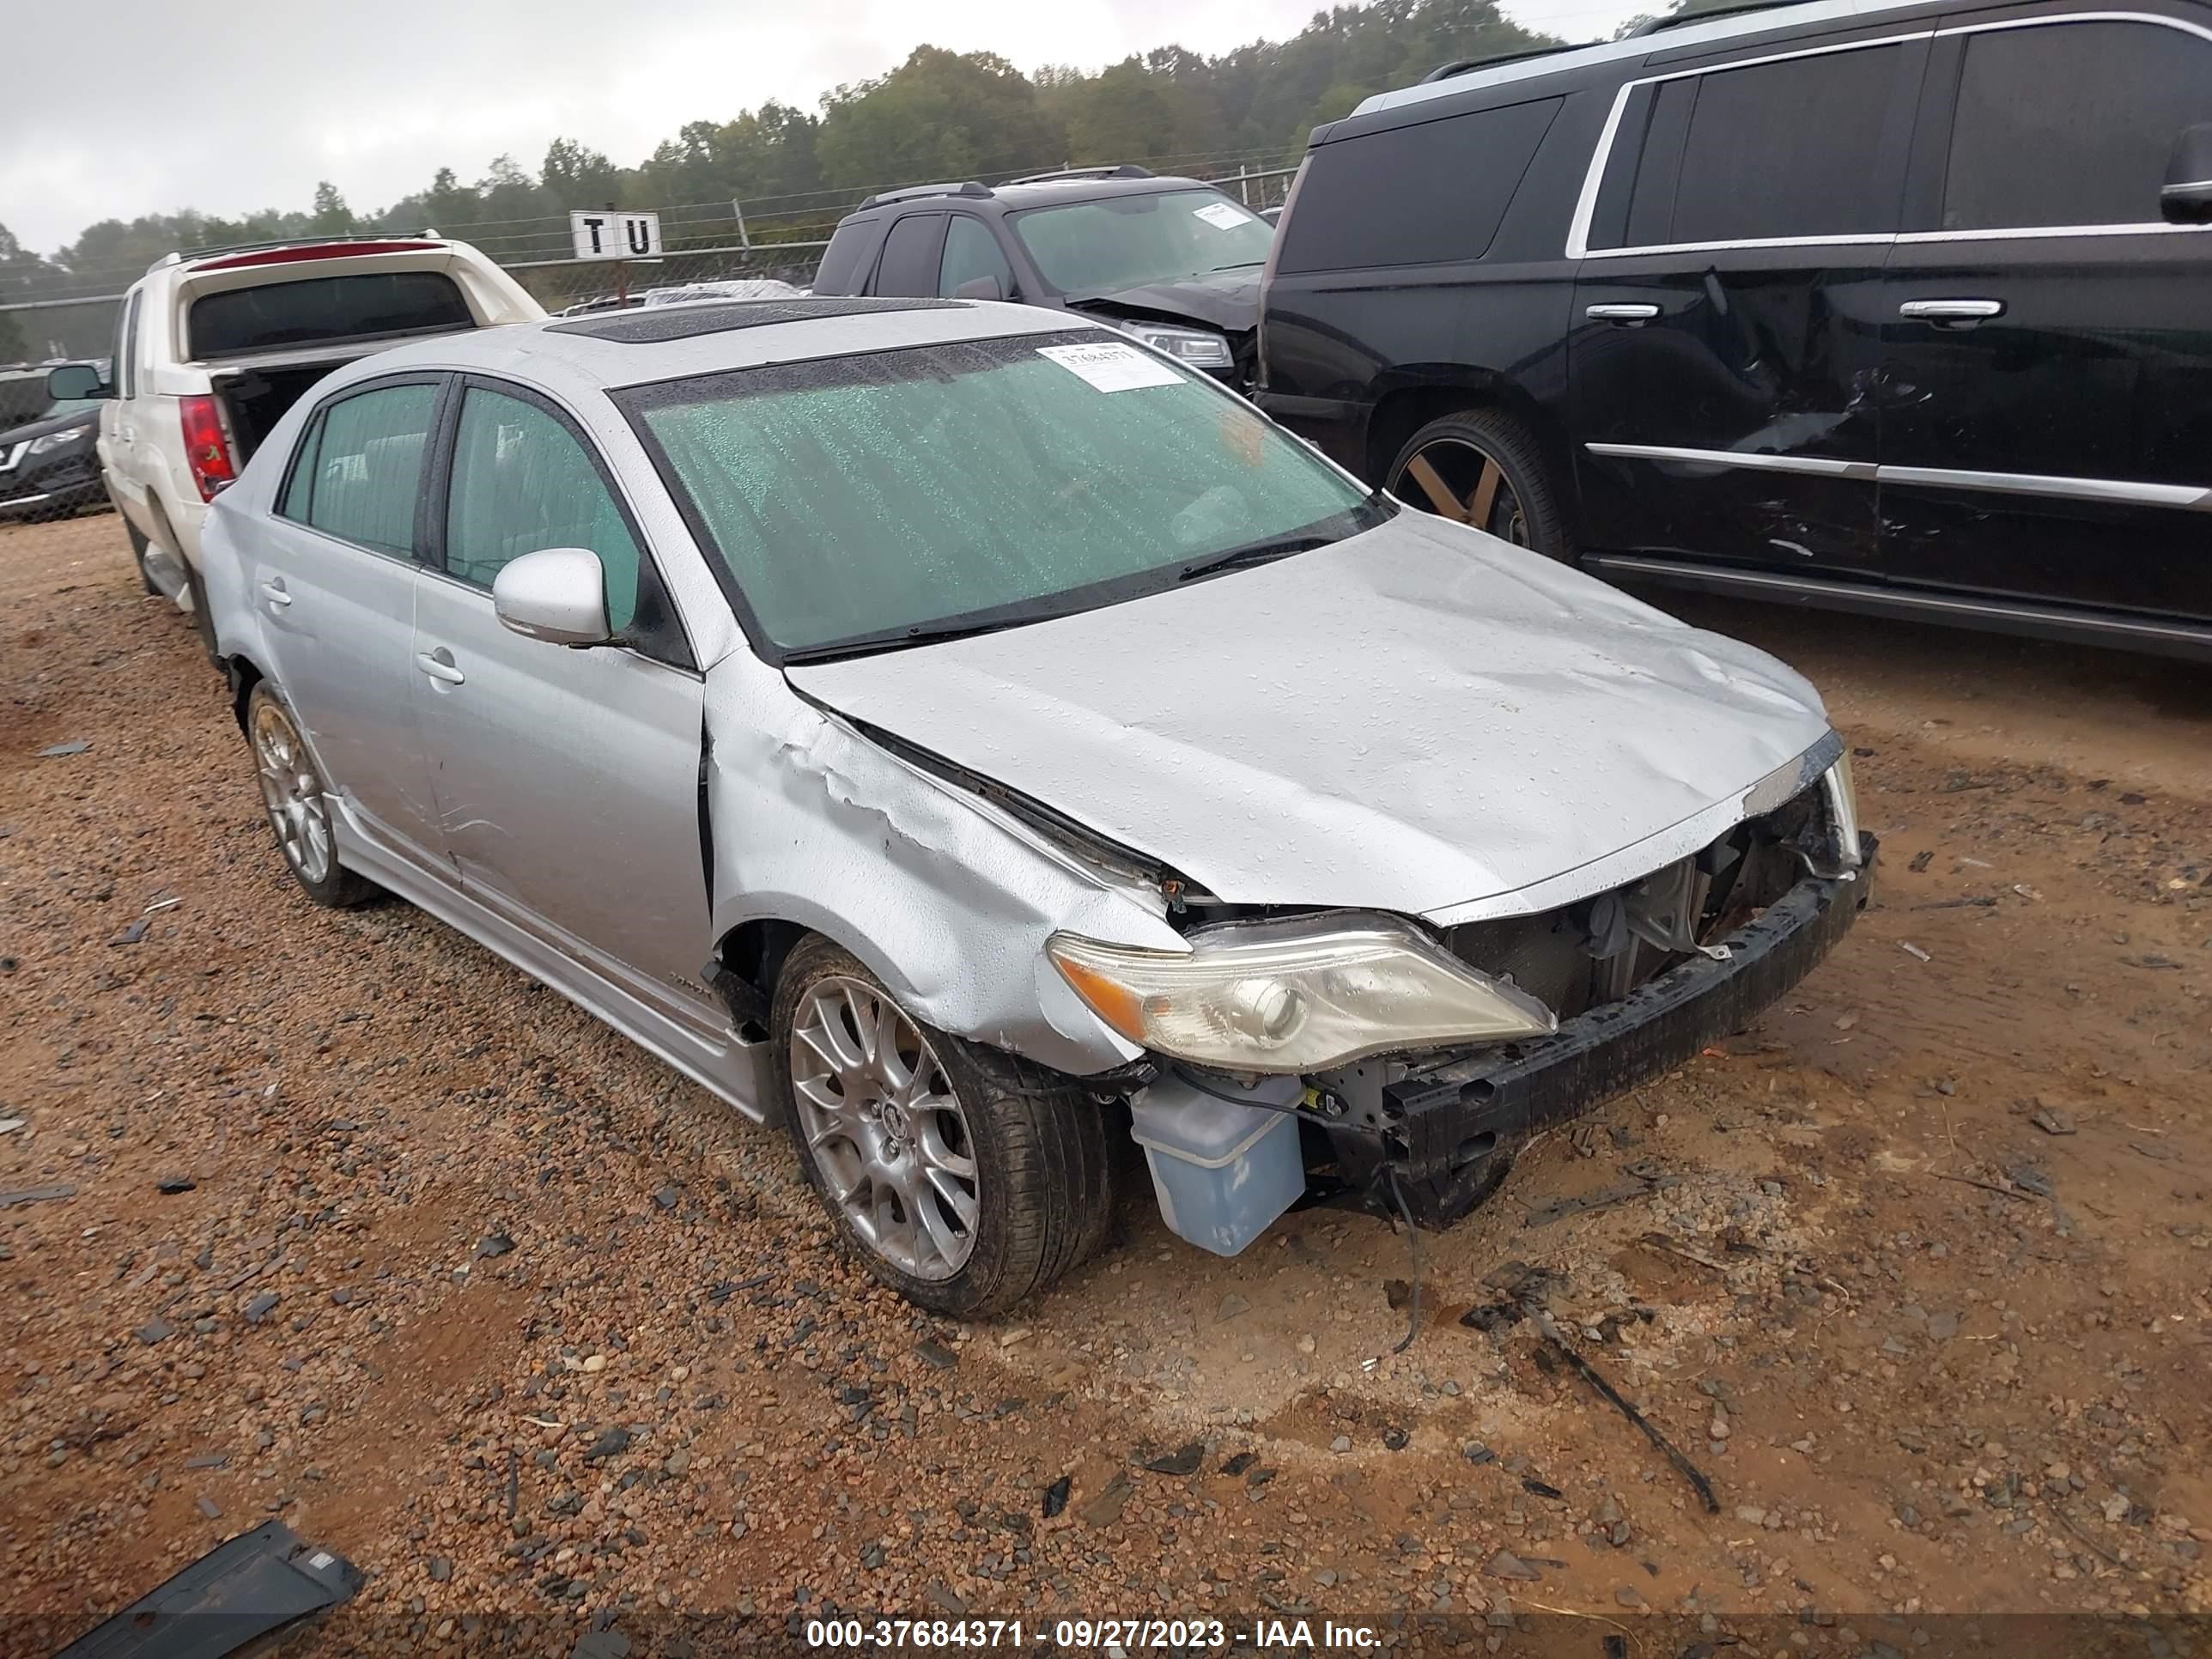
<point>1194,347</point>
<point>1287,997</point>
<point>67,435</point>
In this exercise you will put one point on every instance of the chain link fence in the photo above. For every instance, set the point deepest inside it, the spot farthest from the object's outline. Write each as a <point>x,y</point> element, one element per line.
<point>702,242</point>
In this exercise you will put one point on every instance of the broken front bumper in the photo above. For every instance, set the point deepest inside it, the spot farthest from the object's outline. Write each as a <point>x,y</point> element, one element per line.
<point>1448,1128</point>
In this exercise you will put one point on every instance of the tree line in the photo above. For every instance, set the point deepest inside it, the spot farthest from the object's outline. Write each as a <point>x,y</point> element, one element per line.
<point>938,115</point>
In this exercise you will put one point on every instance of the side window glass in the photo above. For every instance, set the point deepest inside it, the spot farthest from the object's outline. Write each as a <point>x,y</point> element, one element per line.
<point>909,263</point>
<point>368,466</point>
<point>126,369</point>
<point>523,482</point>
<point>299,487</point>
<point>971,252</point>
<point>1758,163</point>
<point>2070,123</point>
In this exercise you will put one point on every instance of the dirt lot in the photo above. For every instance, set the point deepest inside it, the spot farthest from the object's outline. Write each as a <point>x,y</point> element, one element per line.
<point>363,1230</point>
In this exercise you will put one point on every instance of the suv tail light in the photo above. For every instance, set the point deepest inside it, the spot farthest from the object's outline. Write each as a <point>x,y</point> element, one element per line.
<point>207,450</point>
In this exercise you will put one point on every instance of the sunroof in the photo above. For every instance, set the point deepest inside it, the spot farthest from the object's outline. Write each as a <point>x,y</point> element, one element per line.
<point>681,322</point>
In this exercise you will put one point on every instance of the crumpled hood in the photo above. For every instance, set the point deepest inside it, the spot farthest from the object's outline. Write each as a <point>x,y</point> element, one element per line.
<point>1224,299</point>
<point>1414,718</point>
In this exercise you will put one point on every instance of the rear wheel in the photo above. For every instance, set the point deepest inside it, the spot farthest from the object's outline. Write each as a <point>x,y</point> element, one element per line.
<point>1483,468</point>
<point>202,620</point>
<point>138,546</point>
<point>298,803</point>
<point>964,1178</point>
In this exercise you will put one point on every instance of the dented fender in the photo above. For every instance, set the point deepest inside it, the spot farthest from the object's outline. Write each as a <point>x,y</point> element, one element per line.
<point>944,896</point>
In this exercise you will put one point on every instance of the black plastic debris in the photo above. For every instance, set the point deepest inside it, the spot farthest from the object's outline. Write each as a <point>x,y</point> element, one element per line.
<point>237,1594</point>
<point>1056,1496</point>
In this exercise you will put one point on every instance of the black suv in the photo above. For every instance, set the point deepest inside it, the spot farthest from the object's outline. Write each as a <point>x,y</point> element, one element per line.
<point>1172,261</point>
<point>1905,308</point>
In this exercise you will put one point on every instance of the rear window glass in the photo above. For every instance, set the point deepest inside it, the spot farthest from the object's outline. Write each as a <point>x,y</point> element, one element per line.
<point>325,308</point>
<point>1415,195</point>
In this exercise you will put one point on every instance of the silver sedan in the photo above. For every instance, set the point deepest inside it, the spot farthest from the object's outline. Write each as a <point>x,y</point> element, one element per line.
<point>976,743</point>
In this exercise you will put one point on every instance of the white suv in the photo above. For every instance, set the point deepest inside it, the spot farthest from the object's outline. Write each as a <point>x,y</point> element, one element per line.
<point>213,346</point>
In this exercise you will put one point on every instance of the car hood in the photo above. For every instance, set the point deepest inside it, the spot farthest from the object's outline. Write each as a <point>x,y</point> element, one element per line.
<point>1407,721</point>
<point>45,423</point>
<point>1226,299</point>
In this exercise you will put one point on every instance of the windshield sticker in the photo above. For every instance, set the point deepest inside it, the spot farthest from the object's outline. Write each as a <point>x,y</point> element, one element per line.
<point>1222,216</point>
<point>1112,368</point>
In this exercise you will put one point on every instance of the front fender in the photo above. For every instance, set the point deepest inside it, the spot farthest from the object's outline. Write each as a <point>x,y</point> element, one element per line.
<point>944,897</point>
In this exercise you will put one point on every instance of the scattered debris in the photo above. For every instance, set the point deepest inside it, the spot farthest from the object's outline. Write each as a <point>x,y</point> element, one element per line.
<point>1242,1461</point>
<point>1986,902</point>
<point>1105,1507</point>
<point>9,1125</point>
<point>1232,1305</point>
<point>1588,1373</point>
<point>1921,861</point>
<point>132,933</point>
<point>1506,1564</point>
<point>208,1507</point>
<point>1184,1460</point>
<point>1913,950</point>
<point>172,1185</point>
<point>1056,1496</point>
<point>2052,1121</point>
<point>36,1194</point>
<point>1530,1483</point>
<point>59,750</point>
<point>493,1244</point>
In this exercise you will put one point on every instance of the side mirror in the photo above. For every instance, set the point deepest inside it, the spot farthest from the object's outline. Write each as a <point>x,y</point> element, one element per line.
<point>980,288</point>
<point>2187,197</point>
<point>557,594</point>
<point>75,382</point>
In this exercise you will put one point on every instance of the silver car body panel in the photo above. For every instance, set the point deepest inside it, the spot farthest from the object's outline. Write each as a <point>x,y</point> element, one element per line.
<point>1421,720</point>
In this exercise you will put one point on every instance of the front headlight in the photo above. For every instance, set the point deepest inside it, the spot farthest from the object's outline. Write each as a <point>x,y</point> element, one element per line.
<point>1292,998</point>
<point>67,435</point>
<point>1194,347</point>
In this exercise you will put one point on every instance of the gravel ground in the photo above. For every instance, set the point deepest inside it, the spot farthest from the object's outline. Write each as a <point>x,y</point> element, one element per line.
<point>339,1218</point>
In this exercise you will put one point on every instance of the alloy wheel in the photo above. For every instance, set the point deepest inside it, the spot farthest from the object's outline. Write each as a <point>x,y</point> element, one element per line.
<point>291,789</point>
<point>888,1134</point>
<point>1458,480</point>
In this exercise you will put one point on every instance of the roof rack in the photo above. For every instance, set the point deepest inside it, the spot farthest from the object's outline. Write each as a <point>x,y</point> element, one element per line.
<point>1122,170</point>
<point>1683,20</point>
<point>970,187</point>
<point>1461,65</point>
<point>182,256</point>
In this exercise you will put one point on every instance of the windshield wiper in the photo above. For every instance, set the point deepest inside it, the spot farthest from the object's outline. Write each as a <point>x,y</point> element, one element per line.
<point>1242,264</point>
<point>1259,552</point>
<point>898,639</point>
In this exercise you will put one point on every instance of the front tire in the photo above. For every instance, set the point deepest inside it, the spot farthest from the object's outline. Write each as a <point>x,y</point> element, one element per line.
<point>966,1179</point>
<point>297,800</point>
<point>1482,467</point>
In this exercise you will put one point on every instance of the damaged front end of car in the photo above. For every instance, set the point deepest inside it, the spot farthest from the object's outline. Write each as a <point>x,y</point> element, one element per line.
<point>1416,1057</point>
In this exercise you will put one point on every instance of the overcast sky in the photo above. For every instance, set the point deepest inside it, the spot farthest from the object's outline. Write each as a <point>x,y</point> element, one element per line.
<point>250,102</point>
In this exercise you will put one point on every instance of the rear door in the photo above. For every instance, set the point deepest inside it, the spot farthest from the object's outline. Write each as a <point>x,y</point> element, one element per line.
<point>567,780</point>
<point>335,575</point>
<point>2046,338</point>
<point>119,422</point>
<point>1732,240</point>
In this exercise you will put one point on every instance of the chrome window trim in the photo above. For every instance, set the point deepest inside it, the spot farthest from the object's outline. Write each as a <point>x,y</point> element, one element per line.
<point>2128,492</point>
<point>1586,204</point>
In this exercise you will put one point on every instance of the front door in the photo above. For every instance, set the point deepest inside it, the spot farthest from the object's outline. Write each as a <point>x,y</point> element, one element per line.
<point>2047,337</point>
<point>1726,319</point>
<point>566,779</point>
<point>335,578</point>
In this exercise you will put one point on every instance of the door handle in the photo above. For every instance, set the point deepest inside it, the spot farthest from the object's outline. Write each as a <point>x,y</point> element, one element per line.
<point>273,591</point>
<point>439,666</point>
<point>1630,314</point>
<point>1951,311</point>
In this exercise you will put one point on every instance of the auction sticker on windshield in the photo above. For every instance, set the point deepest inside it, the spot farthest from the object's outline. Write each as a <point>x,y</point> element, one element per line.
<point>1112,368</point>
<point>1222,216</point>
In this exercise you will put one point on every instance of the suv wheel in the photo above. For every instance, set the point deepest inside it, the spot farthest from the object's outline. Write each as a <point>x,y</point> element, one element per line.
<point>1482,468</point>
<point>138,546</point>
<point>962,1177</point>
<point>298,801</point>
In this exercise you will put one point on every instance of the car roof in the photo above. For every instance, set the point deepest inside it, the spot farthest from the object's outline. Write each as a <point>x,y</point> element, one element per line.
<point>579,355</point>
<point>1719,32</point>
<point>1009,198</point>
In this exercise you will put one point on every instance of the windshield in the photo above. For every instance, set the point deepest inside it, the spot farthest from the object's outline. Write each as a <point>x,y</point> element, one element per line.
<point>982,484</point>
<point>1126,241</point>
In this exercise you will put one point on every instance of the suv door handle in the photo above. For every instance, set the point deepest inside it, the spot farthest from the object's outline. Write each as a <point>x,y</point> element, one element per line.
<point>273,591</point>
<point>1951,311</point>
<point>439,666</point>
<point>1630,314</point>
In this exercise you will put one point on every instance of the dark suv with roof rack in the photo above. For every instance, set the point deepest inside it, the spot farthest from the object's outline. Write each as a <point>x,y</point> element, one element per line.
<point>1172,261</point>
<point>1898,308</point>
